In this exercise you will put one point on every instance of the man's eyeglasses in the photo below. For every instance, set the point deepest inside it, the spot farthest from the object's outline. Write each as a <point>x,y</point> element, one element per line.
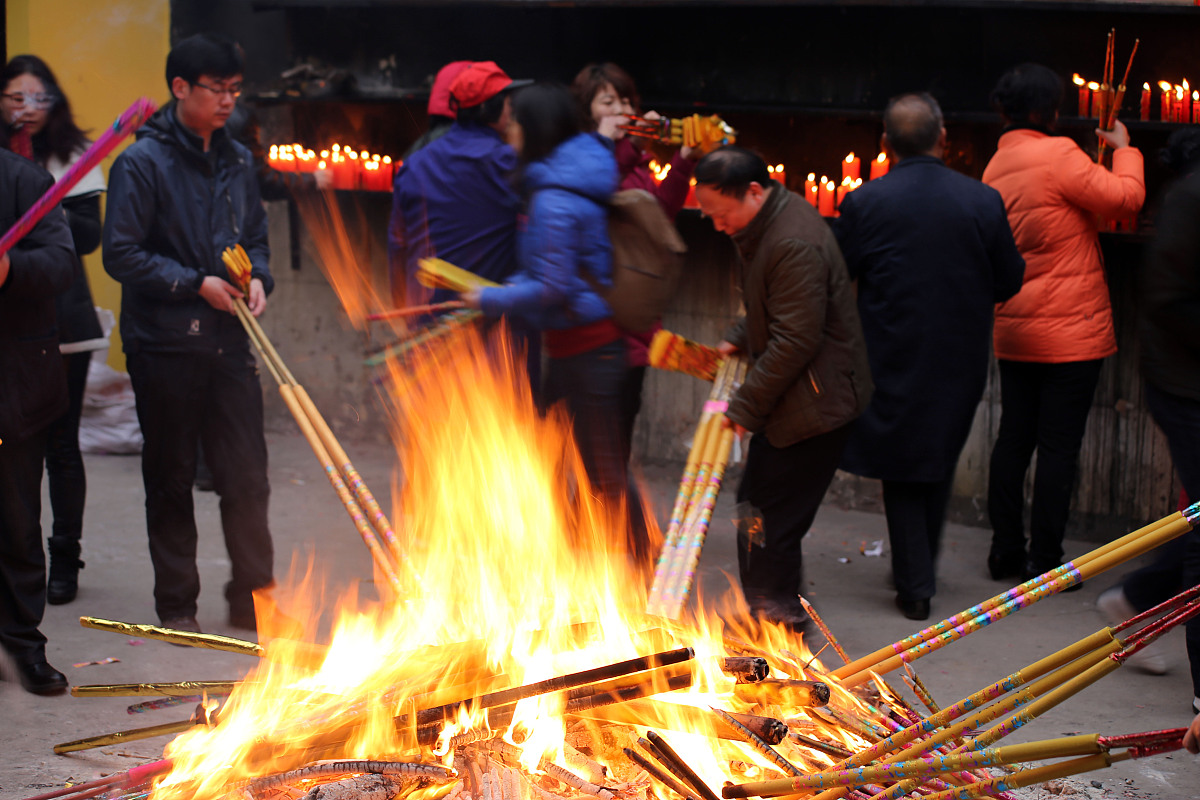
<point>234,91</point>
<point>22,100</point>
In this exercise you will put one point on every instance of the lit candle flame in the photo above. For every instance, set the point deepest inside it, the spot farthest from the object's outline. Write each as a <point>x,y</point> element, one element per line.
<point>1077,79</point>
<point>882,157</point>
<point>1095,87</point>
<point>1166,87</point>
<point>850,157</point>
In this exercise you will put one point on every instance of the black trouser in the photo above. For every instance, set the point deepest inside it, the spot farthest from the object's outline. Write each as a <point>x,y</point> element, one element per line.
<point>589,384</point>
<point>778,498</point>
<point>22,559</point>
<point>1178,564</point>
<point>631,404</point>
<point>1043,407</point>
<point>216,399</point>
<point>64,465</point>
<point>916,514</point>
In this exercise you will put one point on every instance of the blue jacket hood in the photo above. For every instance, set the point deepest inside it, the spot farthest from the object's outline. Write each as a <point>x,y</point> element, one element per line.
<point>583,164</point>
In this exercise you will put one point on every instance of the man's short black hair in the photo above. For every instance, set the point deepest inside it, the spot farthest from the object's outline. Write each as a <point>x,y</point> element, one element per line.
<point>205,54</point>
<point>731,169</point>
<point>486,113</point>
<point>1029,94</point>
<point>913,123</point>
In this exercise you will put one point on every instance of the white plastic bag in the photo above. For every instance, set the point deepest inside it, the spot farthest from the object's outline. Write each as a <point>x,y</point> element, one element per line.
<point>108,422</point>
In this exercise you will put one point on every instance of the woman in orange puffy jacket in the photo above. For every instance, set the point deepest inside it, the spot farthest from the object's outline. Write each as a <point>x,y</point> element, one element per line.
<point>1053,335</point>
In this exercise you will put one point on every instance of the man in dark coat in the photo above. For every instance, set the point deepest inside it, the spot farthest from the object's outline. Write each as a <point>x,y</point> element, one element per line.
<point>178,197</point>
<point>33,393</point>
<point>932,253</point>
<point>808,379</point>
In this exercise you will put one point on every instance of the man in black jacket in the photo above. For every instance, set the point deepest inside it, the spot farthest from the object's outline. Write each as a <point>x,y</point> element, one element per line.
<point>177,198</point>
<point>932,252</point>
<point>33,393</point>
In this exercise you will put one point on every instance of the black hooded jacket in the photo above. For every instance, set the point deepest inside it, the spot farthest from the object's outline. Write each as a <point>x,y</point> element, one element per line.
<point>172,210</point>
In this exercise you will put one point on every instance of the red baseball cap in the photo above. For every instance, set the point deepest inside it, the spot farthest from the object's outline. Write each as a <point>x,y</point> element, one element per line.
<point>439,96</point>
<point>480,82</point>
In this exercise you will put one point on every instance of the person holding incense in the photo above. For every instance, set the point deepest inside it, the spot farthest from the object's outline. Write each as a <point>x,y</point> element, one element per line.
<point>181,194</point>
<point>567,177</point>
<point>454,199</point>
<point>33,395</point>
<point>809,378</point>
<point>932,254</point>
<point>36,110</point>
<point>1051,339</point>
<point>608,98</point>
<point>1169,358</point>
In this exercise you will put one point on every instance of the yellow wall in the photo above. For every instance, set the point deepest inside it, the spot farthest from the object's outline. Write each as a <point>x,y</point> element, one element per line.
<point>106,54</point>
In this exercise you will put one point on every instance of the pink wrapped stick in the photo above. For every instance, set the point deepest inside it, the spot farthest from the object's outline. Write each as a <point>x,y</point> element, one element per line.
<point>127,123</point>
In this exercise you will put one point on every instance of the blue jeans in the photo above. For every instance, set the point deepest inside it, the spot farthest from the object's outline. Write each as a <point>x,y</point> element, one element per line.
<point>590,386</point>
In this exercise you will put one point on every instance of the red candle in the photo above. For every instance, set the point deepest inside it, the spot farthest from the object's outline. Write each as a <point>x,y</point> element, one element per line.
<point>781,174</point>
<point>844,188</point>
<point>1166,101</point>
<point>690,201</point>
<point>851,167</point>
<point>825,201</point>
<point>880,166</point>
<point>1145,115</point>
<point>1084,96</point>
<point>1185,103</point>
<point>1196,108</point>
<point>1094,90</point>
<point>810,188</point>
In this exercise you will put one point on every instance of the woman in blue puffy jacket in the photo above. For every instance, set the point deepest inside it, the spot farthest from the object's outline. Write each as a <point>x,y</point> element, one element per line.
<point>565,259</point>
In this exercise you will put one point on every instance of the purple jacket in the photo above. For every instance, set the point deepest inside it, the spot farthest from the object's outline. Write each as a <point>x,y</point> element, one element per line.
<point>454,200</point>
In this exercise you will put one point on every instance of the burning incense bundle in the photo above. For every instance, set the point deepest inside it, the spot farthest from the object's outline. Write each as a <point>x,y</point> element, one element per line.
<point>702,133</point>
<point>670,351</point>
<point>129,121</point>
<point>1112,95</point>
<point>371,523</point>
<point>697,496</point>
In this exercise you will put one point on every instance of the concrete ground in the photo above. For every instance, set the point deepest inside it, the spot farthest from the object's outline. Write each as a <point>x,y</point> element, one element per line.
<point>848,588</point>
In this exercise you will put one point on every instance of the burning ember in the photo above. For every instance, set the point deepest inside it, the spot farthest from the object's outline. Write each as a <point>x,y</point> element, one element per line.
<point>522,580</point>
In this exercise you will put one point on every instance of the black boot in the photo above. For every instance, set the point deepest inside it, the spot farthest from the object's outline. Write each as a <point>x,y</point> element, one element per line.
<point>63,582</point>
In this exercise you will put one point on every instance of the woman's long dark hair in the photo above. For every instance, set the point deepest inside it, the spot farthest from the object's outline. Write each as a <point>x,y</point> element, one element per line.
<point>547,116</point>
<point>60,136</point>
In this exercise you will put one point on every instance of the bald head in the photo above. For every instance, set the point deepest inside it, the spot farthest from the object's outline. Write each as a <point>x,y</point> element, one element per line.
<point>913,125</point>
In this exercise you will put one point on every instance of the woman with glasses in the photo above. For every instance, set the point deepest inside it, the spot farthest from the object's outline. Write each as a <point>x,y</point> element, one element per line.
<point>38,124</point>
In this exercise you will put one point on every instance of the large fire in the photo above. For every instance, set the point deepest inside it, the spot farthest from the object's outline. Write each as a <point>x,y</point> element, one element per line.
<point>517,576</point>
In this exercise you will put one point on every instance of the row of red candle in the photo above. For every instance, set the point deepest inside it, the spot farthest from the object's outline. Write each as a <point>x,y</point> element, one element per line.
<point>351,169</point>
<point>852,167</point>
<point>1179,103</point>
<point>825,195</point>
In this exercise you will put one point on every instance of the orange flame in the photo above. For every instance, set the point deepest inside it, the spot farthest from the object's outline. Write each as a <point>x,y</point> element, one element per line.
<point>522,576</point>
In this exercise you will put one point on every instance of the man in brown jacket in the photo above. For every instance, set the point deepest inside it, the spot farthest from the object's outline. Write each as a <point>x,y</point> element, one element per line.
<point>809,377</point>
